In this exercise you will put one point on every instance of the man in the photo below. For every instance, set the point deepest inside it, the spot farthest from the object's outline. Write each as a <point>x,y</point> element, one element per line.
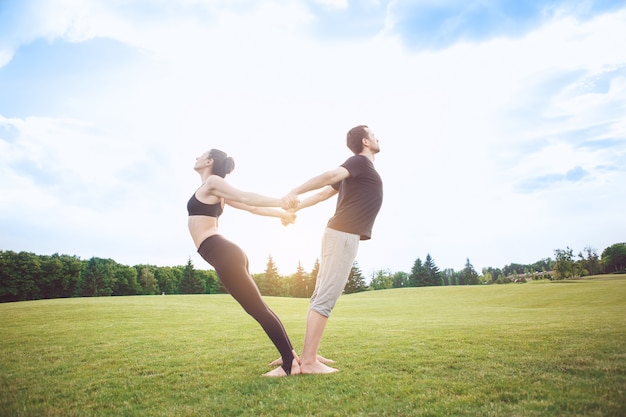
<point>360,197</point>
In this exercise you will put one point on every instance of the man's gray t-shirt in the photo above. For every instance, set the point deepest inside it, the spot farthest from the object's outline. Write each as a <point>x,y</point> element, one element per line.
<point>360,198</point>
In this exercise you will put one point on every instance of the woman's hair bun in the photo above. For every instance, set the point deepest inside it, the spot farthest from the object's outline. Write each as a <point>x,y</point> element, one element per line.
<point>224,164</point>
<point>229,165</point>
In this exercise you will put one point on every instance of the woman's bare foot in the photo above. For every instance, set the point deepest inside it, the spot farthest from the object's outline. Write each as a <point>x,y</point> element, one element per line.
<point>320,358</point>
<point>316,367</point>
<point>278,372</point>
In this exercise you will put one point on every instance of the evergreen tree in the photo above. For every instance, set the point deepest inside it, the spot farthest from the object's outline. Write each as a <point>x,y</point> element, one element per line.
<point>469,275</point>
<point>313,278</point>
<point>356,282</point>
<point>300,283</point>
<point>191,283</point>
<point>419,274</point>
<point>432,276</point>
<point>271,280</point>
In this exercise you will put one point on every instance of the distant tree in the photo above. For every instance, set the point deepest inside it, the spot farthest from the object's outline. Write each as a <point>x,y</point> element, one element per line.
<point>543,265</point>
<point>400,280</point>
<point>533,270</point>
<point>300,283</point>
<point>614,258</point>
<point>313,277</point>
<point>96,278</point>
<point>564,267</point>
<point>191,283</point>
<point>167,278</point>
<point>19,275</point>
<point>469,275</point>
<point>381,280</point>
<point>491,274</point>
<point>432,275</point>
<point>271,279</point>
<point>449,277</point>
<point>59,275</point>
<point>589,261</point>
<point>503,280</point>
<point>209,280</point>
<point>418,274</point>
<point>124,280</point>
<point>356,282</point>
<point>513,269</point>
<point>213,284</point>
<point>149,284</point>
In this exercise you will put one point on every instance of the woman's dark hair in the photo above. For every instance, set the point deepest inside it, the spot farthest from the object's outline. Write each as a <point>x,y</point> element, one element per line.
<point>222,163</point>
<point>354,138</point>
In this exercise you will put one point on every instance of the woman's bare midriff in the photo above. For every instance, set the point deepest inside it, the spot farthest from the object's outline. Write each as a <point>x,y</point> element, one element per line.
<point>201,227</point>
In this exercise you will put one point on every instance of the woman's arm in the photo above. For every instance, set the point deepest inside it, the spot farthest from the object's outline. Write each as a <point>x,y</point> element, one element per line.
<point>286,217</point>
<point>219,187</point>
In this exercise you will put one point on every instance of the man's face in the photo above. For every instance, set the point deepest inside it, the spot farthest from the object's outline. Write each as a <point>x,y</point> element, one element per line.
<point>372,141</point>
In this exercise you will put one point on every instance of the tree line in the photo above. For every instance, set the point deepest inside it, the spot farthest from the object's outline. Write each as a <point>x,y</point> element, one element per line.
<point>27,276</point>
<point>565,266</point>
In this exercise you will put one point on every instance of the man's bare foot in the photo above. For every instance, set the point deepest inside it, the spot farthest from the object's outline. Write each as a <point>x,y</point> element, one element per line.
<point>316,368</point>
<point>278,372</point>
<point>324,360</point>
<point>320,358</point>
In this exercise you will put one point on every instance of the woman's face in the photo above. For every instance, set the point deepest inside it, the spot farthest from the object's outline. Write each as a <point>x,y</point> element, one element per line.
<point>201,161</point>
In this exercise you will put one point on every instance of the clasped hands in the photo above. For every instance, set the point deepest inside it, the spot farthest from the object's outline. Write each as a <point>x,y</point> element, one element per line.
<point>289,203</point>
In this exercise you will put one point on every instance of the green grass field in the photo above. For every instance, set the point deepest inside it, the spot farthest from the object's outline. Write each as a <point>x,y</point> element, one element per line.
<point>536,349</point>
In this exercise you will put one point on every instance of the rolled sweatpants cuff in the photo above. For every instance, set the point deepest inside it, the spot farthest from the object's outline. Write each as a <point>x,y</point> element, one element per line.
<point>322,311</point>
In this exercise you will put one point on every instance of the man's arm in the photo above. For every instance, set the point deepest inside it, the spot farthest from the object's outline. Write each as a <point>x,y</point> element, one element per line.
<point>327,178</point>
<point>323,195</point>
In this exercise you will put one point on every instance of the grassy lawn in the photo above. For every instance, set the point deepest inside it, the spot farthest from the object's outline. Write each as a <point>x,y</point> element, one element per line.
<point>535,349</point>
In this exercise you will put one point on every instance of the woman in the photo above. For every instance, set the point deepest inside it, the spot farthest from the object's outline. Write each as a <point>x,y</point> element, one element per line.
<point>230,262</point>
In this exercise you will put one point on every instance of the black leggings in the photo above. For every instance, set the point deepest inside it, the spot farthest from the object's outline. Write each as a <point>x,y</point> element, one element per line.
<point>231,266</point>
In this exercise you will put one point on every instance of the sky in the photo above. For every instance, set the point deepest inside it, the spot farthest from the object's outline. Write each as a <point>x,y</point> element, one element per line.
<point>502,125</point>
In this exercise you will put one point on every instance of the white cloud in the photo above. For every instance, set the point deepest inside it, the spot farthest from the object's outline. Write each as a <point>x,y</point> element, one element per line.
<point>333,4</point>
<point>455,127</point>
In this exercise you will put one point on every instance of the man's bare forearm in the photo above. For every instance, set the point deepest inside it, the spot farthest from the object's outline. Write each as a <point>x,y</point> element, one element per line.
<point>314,183</point>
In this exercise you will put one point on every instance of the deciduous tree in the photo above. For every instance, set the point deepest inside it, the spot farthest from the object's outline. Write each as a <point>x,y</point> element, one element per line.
<point>614,258</point>
<point>382,280</point>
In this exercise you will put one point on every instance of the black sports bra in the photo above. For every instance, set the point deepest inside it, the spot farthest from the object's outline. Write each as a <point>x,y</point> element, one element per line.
<point>196,207</point>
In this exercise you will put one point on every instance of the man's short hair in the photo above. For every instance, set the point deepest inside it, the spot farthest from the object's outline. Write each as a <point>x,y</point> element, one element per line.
<point>354,138</point>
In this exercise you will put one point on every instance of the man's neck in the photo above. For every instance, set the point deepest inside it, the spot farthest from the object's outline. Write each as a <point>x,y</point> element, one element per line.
<point>368,154</point>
